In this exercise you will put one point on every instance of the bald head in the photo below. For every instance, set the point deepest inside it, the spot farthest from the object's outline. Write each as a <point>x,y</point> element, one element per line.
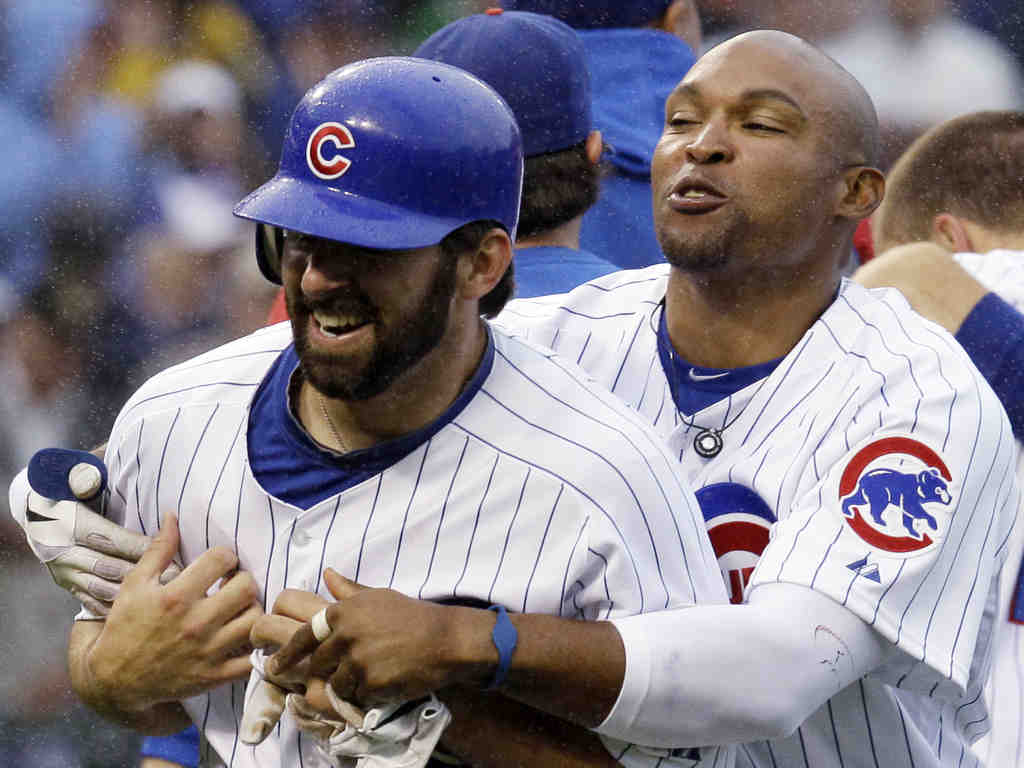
<point>768,147</point>
<point>824,90</point>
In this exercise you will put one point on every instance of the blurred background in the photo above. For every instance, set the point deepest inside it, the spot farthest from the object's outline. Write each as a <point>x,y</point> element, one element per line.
<point>133,126</point>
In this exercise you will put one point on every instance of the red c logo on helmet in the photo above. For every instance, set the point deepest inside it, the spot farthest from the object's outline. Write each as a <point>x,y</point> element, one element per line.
<point>329,133</point>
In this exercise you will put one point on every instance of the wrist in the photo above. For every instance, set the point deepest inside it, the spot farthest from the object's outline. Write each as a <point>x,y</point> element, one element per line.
<point>475,656</point>
<point>102,686</point>
<point>505,638</point>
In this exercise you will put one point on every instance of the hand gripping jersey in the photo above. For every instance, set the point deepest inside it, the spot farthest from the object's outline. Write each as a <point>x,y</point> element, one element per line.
<point>537,490</point>
<point>1002,271</point>
<point>873,464</point>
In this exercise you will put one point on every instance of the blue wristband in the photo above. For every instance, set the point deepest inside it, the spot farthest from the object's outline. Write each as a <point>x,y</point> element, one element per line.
<point>505,637</point>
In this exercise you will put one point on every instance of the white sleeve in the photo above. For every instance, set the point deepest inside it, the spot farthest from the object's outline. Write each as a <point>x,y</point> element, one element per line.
<point>999,271</point>
<point>691,678</point>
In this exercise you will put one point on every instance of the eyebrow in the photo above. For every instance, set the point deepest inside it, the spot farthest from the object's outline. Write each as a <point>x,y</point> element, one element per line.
<point>690,91</point>
<point>773,94</point>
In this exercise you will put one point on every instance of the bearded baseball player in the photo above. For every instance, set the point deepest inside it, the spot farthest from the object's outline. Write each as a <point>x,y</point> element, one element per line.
<point>853,468</point>
<point>389,434</point>
<point>959,260</point>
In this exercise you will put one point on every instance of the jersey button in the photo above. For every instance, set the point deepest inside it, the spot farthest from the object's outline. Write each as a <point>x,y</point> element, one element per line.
<point>300,538</point>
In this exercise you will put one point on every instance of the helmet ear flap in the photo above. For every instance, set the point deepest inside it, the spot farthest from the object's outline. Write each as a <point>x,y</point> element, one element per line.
<point>269,246</point>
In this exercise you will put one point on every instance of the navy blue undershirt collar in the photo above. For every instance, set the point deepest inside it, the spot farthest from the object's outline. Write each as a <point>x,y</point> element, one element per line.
<point>294,468</point>
<point>694,387</point>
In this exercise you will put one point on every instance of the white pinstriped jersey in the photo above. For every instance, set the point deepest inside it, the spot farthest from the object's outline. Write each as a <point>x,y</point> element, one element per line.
<point>537,490</point>
<point>875,411</point>
<point>1002,271</point>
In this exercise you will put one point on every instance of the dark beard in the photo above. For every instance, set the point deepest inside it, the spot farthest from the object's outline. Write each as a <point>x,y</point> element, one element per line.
<point>402,347</point>
<point>713,254</point>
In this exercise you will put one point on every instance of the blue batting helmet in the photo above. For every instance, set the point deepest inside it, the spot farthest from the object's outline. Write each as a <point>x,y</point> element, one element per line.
<point>391,153</point>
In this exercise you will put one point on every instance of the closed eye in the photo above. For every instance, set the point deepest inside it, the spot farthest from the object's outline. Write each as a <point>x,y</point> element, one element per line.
<point>677,121</point>
<point>753,125</point>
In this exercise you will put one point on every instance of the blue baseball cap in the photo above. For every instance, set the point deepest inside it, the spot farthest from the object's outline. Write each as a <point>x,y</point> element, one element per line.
<point>591,14</point>
<point>535,62</point>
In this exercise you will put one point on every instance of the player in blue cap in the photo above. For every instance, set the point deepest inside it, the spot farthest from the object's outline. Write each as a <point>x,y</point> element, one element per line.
<point>539,67</point>
<point>637,52</point>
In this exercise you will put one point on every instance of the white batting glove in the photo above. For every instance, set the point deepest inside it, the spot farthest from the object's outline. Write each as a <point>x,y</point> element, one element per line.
<point>264,703</point>
<point>86,554</point>
<point>396,735</point>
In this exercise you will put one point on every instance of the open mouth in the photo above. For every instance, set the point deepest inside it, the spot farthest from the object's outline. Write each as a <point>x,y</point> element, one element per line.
<point>692,197</point>
<point>335,325</point>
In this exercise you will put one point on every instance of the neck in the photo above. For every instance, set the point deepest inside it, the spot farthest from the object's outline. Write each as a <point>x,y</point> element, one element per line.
<point>719,321</point>
<point>415,399</point>
<point>563,236</point>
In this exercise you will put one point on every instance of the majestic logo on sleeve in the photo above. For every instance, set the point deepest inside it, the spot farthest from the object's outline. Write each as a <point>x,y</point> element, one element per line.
<point>739,525</point>
<point>889,491</point>
<point>323,150</point>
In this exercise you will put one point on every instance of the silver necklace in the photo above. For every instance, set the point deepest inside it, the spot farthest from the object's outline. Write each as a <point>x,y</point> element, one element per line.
<point>709,441</point>
<point>330,423</point>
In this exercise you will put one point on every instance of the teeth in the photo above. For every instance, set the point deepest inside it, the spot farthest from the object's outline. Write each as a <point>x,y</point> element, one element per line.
<point>694,193</point>
<point>334,325</point>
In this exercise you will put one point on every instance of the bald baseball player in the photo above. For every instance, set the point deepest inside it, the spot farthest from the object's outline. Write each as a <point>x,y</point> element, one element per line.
<point>951,232</point>
<point>852,466</point>
<point>389,434</point>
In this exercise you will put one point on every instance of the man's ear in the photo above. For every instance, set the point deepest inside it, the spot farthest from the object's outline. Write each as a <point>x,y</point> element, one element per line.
<point>951,233</point>
<point>682,19</point>
<point>594,146</point>
<point>861,193</point>
<point>480,270</point>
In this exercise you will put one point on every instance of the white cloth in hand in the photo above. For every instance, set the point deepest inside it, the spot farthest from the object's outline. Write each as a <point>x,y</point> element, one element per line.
<point>264,703</point>
<point>399,735</point>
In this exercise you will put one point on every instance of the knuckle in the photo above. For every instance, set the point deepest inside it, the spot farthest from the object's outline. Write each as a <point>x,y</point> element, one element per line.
<point>250,585</point>
<point>222,556</point>
<point>284,598</point>
<point>193,630</point>
<point>171,603</point>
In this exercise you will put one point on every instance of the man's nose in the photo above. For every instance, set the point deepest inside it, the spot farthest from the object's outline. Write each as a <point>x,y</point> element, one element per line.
<point>710,144</point>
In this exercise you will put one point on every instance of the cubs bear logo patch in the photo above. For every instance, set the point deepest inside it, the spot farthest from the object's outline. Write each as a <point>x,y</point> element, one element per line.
<point>890,492</point>
<point>739,525</point>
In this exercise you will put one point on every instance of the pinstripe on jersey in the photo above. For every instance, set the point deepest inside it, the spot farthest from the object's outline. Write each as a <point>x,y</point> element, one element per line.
<point>869,368</point>
<point>544,494</point>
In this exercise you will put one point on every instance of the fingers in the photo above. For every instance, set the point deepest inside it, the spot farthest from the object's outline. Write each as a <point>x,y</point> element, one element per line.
<point>201,574</point>
<point>96,607</point>
<point>316,694</point>
<point>298,604</point>
<point>234,636</point>
<point>339,586</point>
<point>344,685</point>
<point>85,561</point>
<point>301,644</point>
<point>160,553</point>
<point>235,595</point>
<point>348,712</point>
<point>76,582</point>
<point>96,532</point>
<point>271,631</point>
<point>262,710</point>
<point>170,573</point>
<point>235,668</point>
<point>321,698</point>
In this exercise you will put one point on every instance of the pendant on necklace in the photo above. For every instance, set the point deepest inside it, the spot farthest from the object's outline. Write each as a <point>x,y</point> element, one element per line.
<point>708,443</point>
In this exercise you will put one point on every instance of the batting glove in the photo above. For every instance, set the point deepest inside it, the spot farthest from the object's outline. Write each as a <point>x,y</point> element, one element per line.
<point>56,501</point>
